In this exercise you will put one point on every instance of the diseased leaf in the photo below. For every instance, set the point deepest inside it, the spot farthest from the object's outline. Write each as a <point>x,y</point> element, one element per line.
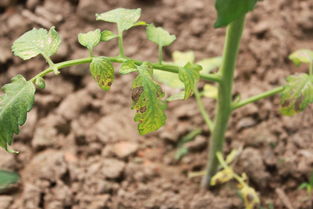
<point>124,18</point>
<point>17,100</point>
<point>7,178</point>
<point>297,94</point>
<point>302,56</point>
<point>146,96</point>
<point>37,41</point>
<point>210,64</point>
<point>102,71</point>
<point>230,10</point>
<point>189,75</point>
<point>107,35</point>
<point>91,39</point>
<point>159,36</point>
<point>128,67</point>
<point>182,58</point>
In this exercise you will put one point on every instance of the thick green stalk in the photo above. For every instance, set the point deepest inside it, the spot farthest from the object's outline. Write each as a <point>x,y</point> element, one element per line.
<point>224,109</point>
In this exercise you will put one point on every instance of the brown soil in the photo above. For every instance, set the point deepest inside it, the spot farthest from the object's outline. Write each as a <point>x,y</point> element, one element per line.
<point>80,148</point>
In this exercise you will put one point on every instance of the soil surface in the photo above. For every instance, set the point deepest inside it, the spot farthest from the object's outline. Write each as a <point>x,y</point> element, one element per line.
<point>80,149</point>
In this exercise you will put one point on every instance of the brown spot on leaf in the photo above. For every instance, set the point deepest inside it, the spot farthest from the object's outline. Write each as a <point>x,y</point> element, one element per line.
<point>143,109</point>
<point>136,93</point>
<point>109,83</point>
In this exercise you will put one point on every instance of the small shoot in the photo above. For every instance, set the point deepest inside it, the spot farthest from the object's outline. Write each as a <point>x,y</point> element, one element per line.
<point>249,195</point>
<point>308,186</point>
<point>182,150</point>
<point>160,37</point>
<point>90,40</point>
<point>102,72</point>
<point>8,178</point>
<point>38,41</point>
<point>124,19</point>
<point>303,56</point>
<point>17,100</point>
<point>147,101</point>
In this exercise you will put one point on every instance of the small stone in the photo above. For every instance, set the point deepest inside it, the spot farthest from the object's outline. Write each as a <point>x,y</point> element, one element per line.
<point>245,123</point>
<point>198,143</point>
<point>125,149</point>
<point>112,168</point>
<point>5,202</point>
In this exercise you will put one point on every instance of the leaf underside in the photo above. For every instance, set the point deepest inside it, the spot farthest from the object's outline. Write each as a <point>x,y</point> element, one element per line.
<point>124,18</point>
<point>230,10</point>
<point>159,36</point>
<point>297,94</point>
<point>17,100</point>
<point>102,71</point>
<point>146,97</point>
<point>35,42</point>
<point>189,75</point>
<point>90,39</point>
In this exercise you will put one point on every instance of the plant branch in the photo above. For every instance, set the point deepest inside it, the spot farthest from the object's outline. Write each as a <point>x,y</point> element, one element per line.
<point>202,110</point>
<point>252,99</point>
<point>224,109</point>
<point>168,68</point>
<point>121,43</point>
<point>160,54</point>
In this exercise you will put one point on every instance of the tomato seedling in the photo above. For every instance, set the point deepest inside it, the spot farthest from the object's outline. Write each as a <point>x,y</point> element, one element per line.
<point>148,98</point>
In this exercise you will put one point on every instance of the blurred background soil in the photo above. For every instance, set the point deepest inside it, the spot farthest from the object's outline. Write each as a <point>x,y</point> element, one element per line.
<point>80,149</point>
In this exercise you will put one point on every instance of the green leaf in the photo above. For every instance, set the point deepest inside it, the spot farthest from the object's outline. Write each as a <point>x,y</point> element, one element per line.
<point>159,36</point>
<point>7,178</point>
<point>37,41</point>
<point>297,94</point>
<point>90,40</point>
<point>107,35</point>
<point>17,100</point>
<point>181,152</point>
<point>189,75</point>
<point>230,10</point>
<point>124,18</point>
<point>146,96</point>
<point>128,67</point>
<point>302,56</point>
<point>102,71</point>
<point>210,64</point>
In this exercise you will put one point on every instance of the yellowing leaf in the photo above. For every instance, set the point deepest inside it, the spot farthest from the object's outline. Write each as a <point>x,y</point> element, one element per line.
<point>182,58</point>
<point>159,36</point>
<point>250,197</point>
<point>210,64</point>
<point>35,42</point>
<point>189,75</point>
<point>210,91</point>
<point>302,56</point>
<point>102,71</point>
<point>17,100</point>
<point>222,176</point>
<point>90,39</point>
<point>124,18</point>
<point>297,94</point>
<point>146,96</point>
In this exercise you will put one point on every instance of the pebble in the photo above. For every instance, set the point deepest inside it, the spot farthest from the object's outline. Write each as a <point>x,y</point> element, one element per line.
<point>125,149</point>
<point>112,168</point>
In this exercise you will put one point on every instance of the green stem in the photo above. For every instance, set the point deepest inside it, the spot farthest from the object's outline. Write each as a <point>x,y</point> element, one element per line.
<point>223,112</point>
<point>266,94</point>
<point>202,110</point>
<point>168,68</point>
<point>311,68</point>
<point>160,54</point>
<point>121,43</point>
